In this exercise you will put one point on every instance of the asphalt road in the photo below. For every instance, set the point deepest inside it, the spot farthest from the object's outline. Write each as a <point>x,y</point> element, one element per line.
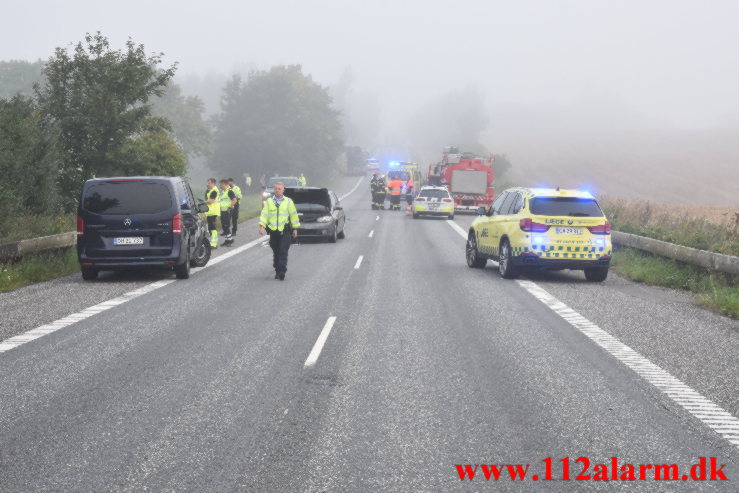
<point>214,384</point>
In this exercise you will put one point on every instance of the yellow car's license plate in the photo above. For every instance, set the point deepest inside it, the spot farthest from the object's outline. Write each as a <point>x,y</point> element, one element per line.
<point>569,231</point>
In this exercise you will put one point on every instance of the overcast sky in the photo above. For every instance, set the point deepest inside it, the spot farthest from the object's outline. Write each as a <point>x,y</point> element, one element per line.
<point>675,62</point>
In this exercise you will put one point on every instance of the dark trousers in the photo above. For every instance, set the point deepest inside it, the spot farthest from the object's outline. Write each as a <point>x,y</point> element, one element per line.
<point>234,219</point>
<point>280,244</point>
<point>395,201</point>
<point>212,226</point>
<point>226,222</point>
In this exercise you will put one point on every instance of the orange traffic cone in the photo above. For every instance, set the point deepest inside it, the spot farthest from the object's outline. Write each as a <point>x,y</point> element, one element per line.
<point>408,210</point>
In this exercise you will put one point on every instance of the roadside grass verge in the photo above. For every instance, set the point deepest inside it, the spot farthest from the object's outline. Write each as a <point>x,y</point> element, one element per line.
<point>24,226</point>
<point>719,292</point>
<point>705,228</point>
<point>38,267</point>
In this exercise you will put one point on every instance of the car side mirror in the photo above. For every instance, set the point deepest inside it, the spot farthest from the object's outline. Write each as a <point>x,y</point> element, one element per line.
<point>203,207</point>
<point>481,211</point>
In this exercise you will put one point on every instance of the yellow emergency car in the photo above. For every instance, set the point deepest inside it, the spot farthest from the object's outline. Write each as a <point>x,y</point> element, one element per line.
<point>542,228</point>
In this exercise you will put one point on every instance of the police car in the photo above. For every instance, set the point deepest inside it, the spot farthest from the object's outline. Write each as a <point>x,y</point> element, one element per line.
<point>433,201</point>
<point>538,228</point>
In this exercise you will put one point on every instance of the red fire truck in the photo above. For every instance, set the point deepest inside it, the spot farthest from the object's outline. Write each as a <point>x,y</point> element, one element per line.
<point>468,177</point>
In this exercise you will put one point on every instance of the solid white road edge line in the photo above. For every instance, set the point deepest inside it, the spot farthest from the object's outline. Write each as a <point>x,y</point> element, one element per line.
<point>42,330</point>
<point>371,234</point>
<point>699,406</point>
<point>353,189</point>
<point>702,408</point>
<point>318,346</point>
<point>359,262</point>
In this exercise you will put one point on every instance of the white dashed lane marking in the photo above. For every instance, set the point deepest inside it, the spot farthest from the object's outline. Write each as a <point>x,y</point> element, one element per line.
<point>704,409</point>
<point>318,346</point>
<point>371,234</point>
<point>359,262</point>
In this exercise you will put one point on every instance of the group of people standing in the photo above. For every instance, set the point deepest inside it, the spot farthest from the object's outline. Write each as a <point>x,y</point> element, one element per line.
<point>223,202</point>
<point>396,188</point>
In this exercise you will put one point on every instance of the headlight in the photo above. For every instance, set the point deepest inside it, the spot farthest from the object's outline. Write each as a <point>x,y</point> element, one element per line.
<point>325,219</point>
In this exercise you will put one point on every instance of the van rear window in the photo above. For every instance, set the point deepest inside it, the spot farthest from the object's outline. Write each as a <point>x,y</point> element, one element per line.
<point>565,206</point>
<point>129,197</point>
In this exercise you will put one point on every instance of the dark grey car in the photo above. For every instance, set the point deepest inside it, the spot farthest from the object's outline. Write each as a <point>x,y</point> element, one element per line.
<point>321,215</point>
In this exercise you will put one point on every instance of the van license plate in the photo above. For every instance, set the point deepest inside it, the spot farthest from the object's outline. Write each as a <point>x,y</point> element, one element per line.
<point>129,240</point>
<point>569,231</point>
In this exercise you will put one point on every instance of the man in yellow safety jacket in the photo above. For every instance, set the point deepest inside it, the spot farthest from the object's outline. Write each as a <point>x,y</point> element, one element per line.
<point>235,211</point>
<point>302,180</point>
<point>280,219</point>
<point>212,198</point>
<point>228,199</point>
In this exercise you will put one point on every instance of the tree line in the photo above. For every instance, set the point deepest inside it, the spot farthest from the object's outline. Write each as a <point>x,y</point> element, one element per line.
<point>92,110</point>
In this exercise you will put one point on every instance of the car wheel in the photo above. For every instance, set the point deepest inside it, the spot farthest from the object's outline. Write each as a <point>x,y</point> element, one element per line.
<point>451,217</point>
<point>202,254</point>
<point>474,259</point>
<point>415,216</point>
<point>342,235</point>
<point>89,273</point>
<point>182,271</point>
<point>505,263</point>
<point>596,274</point>
<point>332,238</point>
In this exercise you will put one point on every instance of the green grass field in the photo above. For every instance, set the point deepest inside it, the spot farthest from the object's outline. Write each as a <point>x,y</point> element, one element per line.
<point>712,290</point>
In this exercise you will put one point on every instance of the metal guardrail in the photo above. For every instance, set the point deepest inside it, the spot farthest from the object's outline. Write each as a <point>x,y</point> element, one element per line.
<point>17,249</point>
<point>702,258</point>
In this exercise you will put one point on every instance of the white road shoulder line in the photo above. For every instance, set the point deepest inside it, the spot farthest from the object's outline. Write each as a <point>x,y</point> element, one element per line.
<point>702,408</point>
<point>359,262</point>
<point>359,182</point>
<point>45,329</point>
<point>377,218</point>
<point>318,346</point>
<point>372,233</point>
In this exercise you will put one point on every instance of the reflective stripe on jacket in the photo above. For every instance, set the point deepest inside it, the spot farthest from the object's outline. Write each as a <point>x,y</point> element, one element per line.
<point>225,199</point>
<point>395,187</point>
<point>275,218</point>
<point>214,208</point>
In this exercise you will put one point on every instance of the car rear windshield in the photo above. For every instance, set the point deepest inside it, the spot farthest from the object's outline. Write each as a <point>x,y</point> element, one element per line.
<point>434,194</point>
<point>127,197</point>
<point>565,206</point>
<point>288,182</point>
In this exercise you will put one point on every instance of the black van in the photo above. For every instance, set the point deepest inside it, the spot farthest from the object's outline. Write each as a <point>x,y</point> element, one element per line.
<point>140,222</point>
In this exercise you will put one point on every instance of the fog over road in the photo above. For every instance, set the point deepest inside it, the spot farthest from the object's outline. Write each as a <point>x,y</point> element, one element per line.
<point>202,385</point>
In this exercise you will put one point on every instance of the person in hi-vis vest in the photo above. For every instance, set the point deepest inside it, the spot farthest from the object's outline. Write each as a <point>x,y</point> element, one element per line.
<point>280,218</point>
<point>228,199</point>
<point>235,211</point>
<point>212,198</point>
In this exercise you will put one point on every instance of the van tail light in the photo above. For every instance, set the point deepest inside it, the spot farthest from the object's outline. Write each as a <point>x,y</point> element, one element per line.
<point>80,226</point>
<point>420,199</point>
<point>528,225</point>
<point>177,224</point>
<point>447,200</point>
<point>603,229</point>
